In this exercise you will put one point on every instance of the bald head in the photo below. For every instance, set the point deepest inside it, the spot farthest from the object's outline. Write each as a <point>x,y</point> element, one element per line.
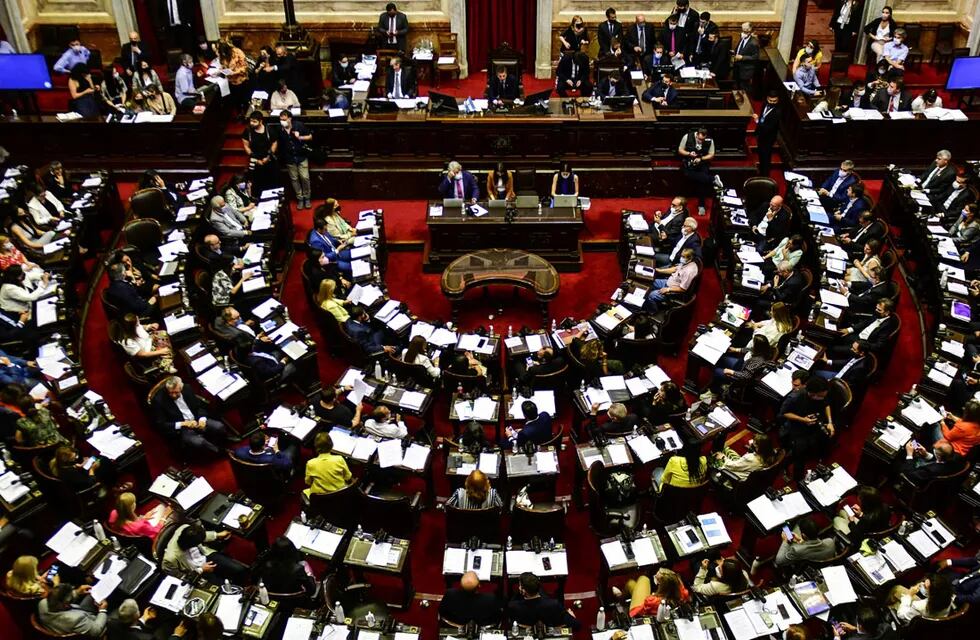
<point>943,450</point>
<point>469,581</point>
<point>776,202</point>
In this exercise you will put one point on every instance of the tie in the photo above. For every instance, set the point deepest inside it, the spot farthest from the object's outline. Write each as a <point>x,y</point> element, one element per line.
<point>398,84</point>
<point>673,47</point>
<point>765,112</point>
<point>459,188</point>
<point>891,103</point>
<point>935,172</point>
<point>738,49</point>
<point>391,28</point>
<point>643,39</point>
<point>574,71</point>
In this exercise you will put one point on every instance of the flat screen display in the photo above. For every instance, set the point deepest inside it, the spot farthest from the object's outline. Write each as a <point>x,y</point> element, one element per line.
<point>24,72</point>
<point>965,74</point>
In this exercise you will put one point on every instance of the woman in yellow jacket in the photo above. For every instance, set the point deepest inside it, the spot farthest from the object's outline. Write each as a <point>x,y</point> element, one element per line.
<point>687,469</point>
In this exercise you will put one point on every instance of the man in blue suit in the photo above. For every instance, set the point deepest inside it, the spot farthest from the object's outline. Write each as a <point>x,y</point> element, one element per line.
<point>359,328</point>
<point>335,251</point>
<point>14,370</point>
<point>965,586</point>
<point>848,214</point>
<point>536,429</point>
<point>457,183</point>
<point>124,295</point>
<point>663,93</point>
<point>833,191</point>
<point>258,451</point>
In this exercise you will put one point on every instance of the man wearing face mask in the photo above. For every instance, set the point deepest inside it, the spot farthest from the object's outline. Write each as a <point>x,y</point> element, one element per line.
<point>678,281</point>
<point>293,138</point>
<point>687,18</point>
<point>951,200</point>
<point>767,130</point>
<point>75,54</point>
<point>459,184</point>
<point>184,92</point>
<point>699,38</point>
<point>688,239</point>
<point>608,30</point>
<point>746,56</point>
<point>667,228</point>
<point>859,97</point>
<point>132,53</point>
<point>343,72</point>
<point>894,99</point>
<point>674,38</point>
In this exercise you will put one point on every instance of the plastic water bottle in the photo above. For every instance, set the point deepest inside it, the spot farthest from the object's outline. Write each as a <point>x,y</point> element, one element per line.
<point>539,208</point>
<point>551,544</point>
<point>360,532</point>
<point>600,619</point>
<point>98,531</point>
<point>554,325</point>
<point>263,593</point>
<point>377,370</point>
<point>302,517</point>
<point>510,543</point>
<point>115,543</point>
<point>514,448</point>
<point>370,619</point>
<point>663,612</point>
<point>510,331</point>
<point>491,331</point>
<point>513,629</point>
<point>338,613</point>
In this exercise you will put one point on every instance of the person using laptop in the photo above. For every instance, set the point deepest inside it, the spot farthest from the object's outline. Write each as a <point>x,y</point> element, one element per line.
<point>564,183</point>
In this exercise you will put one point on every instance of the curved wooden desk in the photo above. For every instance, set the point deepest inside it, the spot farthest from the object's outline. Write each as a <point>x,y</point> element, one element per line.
<point>500,267</point>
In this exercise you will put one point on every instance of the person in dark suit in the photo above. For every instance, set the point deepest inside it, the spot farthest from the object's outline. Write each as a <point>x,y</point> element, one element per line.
<point>745,58</point>
<point>772,227</point>
<point>132,53</point>
<point>17,327</point>
<point>787,287</point>
<point>965,586</point>
<point>688,239</point>
<point>874,331</point>
<point>457,183</point>
<point>870,625</point>
<point>536,429</point>
<point>608,30</point>
<point>230,327</point>
<point>662,93</point>
<point>833,191</point>
<point>573,75</point>
<point>282,569</point>
<point>939,174</point>
<point>845,22</point>
<point>687,18</point>
<point>674,38</point>
<point>640,39</point>
<point>767,130</point>
<point>613,85</point>
<point>503,86</point>
<point>282,456</point>
<point>265,362</point>
<point>393,28</point>
<point>951,200</point>
<point>658,58</point>
<point>529,607</point>
<point>180,414</point>
<point>863,296</point>
<point>544,361</point>
<point>618,419</point>
<point>719,57</point>
<point>853,369</point>
<point>869,228</point>
<point>698,43</point>
<point>400,82</point>
<point>128,624</point>
<point>857,97</point>
<point>919,467</point>
<point>125,296</point>
<point>467,604</point>
<point>666,228</point>
<point>359,328</point>
<point>895,98</point>
<point>848,214</point>
<point>179,18</point>
<point>343,72</point>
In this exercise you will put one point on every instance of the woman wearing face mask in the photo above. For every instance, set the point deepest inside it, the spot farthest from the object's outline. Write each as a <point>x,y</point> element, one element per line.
<point>880,30</point>
<point>238,194</point>
<point>575,36</point>
<point>266,75</point>
<point>343,72</point>
<point>113,89</point>
<point>727,578</point>
<point>812,49</point>
<point>845,23</point>
<point>144,78</point>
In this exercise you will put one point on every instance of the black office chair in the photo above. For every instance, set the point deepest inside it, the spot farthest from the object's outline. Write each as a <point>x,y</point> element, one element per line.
<point>463,524</point>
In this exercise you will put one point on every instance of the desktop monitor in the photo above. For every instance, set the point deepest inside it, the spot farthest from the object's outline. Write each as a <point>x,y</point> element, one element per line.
<point>442,103</point>
<point>24,72</point>
<point>618,103</point>
<point>535,98</point>
<point>380,105</point>
<point>964,74</point>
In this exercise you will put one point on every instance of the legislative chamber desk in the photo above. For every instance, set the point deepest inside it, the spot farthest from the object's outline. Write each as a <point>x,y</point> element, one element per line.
<point>566,131</point>
<point>552,233</point>
<point>872,144</point>
<point>189,144</point>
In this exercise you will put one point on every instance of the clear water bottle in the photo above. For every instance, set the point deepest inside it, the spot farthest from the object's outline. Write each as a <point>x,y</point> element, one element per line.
<point>263,593</point>
<point>600,619</point>
<point>539,208</point>
<point>510,331</point>
<point>663,612</point>
<point>338,613</point>
<point>98,531</point>
<point>377,370</point>
<point>370,619</point>
<point>554,325</point>
<point>360,532</point>
<point>510,543</point>
<point>115,543</point>
<point>513,629</point>
<point>491,331</point>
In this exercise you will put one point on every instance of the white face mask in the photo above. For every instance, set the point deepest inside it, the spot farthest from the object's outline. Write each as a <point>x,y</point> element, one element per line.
<point>343,65</point>
<point>718,570</point>
<point>809,49</point>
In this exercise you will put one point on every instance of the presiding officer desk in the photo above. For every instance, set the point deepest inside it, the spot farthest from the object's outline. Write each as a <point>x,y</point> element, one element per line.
<point>190,143</point>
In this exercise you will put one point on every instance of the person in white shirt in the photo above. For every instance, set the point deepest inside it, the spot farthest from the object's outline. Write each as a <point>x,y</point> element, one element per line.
<point>382,425</point>
<point>184,91</point>
<point>928,100</point>
<point>283,98</point>
<point>146,342</point>
<point>415,354</point>
<point>46,210</point>
<point>15,297</point>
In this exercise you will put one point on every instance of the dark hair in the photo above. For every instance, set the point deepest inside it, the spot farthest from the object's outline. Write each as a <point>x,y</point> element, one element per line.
<point>806,57</point>
<point>765,449</point>
<point>809,529</point>
<point>391,6</point>
<point>60,596</point>
<point>673,18</point>
<point>78,71</point>
<point>329,394</point>
<point>530,583</point>
<point>642,326</point>
<point>282,552</point>
<point>732,575</point>
<point>930,95</point>
<point>611,10</point>
<point>671,393</point>
<point>816,384</point>
<point>257,115</point>
<point>706,16</point>
<point>971,410</point>
<point>257,441</point>
<point>14,274</point>
<point>416,346</point>
<point>868,620</point>
<point>192,535</point>
<point>940,594</point>
<point>692,457</point>
<point>761,347</point>
<point>862,345</point>
<point>322,443</point>
<point>529,409</point>
<point>870,500</point>
<point>209,627</point>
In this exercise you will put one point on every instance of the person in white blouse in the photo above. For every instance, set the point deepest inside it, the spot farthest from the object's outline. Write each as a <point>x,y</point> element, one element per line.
<point>862,266</point>
<point>15,296</point>
<point>415,354</point>
<point>933,598</point>
<point>46,211</point>
<point>382,424</point>
<point>149,342</point>
<point>928,100</point>
<point>789,249</point>
<point>779,323</point>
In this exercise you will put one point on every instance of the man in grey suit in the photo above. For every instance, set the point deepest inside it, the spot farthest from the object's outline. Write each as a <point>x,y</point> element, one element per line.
<point>746,56</point>
<point>229,223</point>
<point>805,545</point>
<point>393,28</point>
<point>68,610</point>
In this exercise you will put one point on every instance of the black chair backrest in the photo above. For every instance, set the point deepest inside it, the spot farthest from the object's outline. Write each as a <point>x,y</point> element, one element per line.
<point>673,502</point>
<point>757,191</point>
<point>840,63</point>
<point>463,524</point>
<point>543,521</point>
<point>149,203</point>
<point>260,481</point>
<point>393,513</point>
<point>337,507</point>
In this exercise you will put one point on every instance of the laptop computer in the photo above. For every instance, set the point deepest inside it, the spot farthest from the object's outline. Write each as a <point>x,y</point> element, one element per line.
<point>451,203</point>
<point>497,204</point>
<point>527,202</point>
<point>566,201</point>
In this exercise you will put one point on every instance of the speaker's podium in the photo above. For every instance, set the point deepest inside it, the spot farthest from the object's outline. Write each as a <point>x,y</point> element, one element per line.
<point>457,228</point>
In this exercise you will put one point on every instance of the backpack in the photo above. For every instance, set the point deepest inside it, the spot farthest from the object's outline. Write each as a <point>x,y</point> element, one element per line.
<point>620,490</point>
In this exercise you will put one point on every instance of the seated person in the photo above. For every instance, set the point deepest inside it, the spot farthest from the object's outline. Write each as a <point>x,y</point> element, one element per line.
<point>896,52</point>
<point>950,201</point>
<point>259,451</point>
<point>476,493</point>
<point>921,467</point>
<point>217,257</point>
<point>966,587</point>
<point>806,545</point>
<point>226,284</point>
<point>529,607</point>
<point>619,419</point>
<point>336,412</point>
<point>659,58</point>
<point>327,472</point>
<point>928,100</point>
<point>334,99</point>
<point>17,294</point>
<point>858,97</point>
<point>833,191</point>
<point>640,326</point>
<point>688,239</point>
<point>543,362</point>
<point>869,624</point>
<point>238,193</point>
<point>870,515</point>
<point>77,472</point>
<point>772,226</point>
<point>686,468</point>
<point>869,228</point>
<point>180,414</point>
<point>962,433</point>
<point>666,402</point>
<point>129,624</point>
<point>806,424</point>
<point>812,49</point>
<point>344,72</point>
<point>384,425</point>
<point>853,370</point>
<point>645,602</point>
<point>265,362</point>
<point>44,208</point>
<point>787,286</point>
<point>230,327</point>
<point>14,370</point>
<point>126,519</point>
<point>789,249</point>
<point>503,86</point>
<point>536,429</point>
<point>863,296</point>
<point>500,183</point>
<point>466,364</point>
<point>283,98</point>
<point>468,604</point>
<point>36,426</point>
<point>459,184</point>
<point>596,361</point>
<point>187,553</point>
<point>335,251</point>
<point>573,75</point>
<point>727,578</point>
<point>125,295</point>
<point>415,353</point>
<point>662,93</point>
<point>932,598</point>
<point>564,182</point>
<point>74,54</point>
<point>753,365</point>
<point>149,343</point>
<point>283,569</point>
<point>667,228</point>
<point>229,223</point>
<point>759,454</point>
<point>875,330</point>
<point>678,281</point>
<point>359,329</point>
<point>72,611</point>
<point>847,215</point>
<point>806,77</point>
<point>24,580</point>
<point>399,81</point>
<point>894,98</point>
<point>158,102</point>
<point>328,302</point>
<point>613,85</point>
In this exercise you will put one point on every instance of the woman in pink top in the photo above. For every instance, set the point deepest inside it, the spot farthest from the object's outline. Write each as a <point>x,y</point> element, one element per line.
<point>125,519</point>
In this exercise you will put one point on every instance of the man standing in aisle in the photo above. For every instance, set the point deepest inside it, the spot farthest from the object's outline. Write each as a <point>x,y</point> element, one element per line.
<point>293,140</point>
<point>393,28</point>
